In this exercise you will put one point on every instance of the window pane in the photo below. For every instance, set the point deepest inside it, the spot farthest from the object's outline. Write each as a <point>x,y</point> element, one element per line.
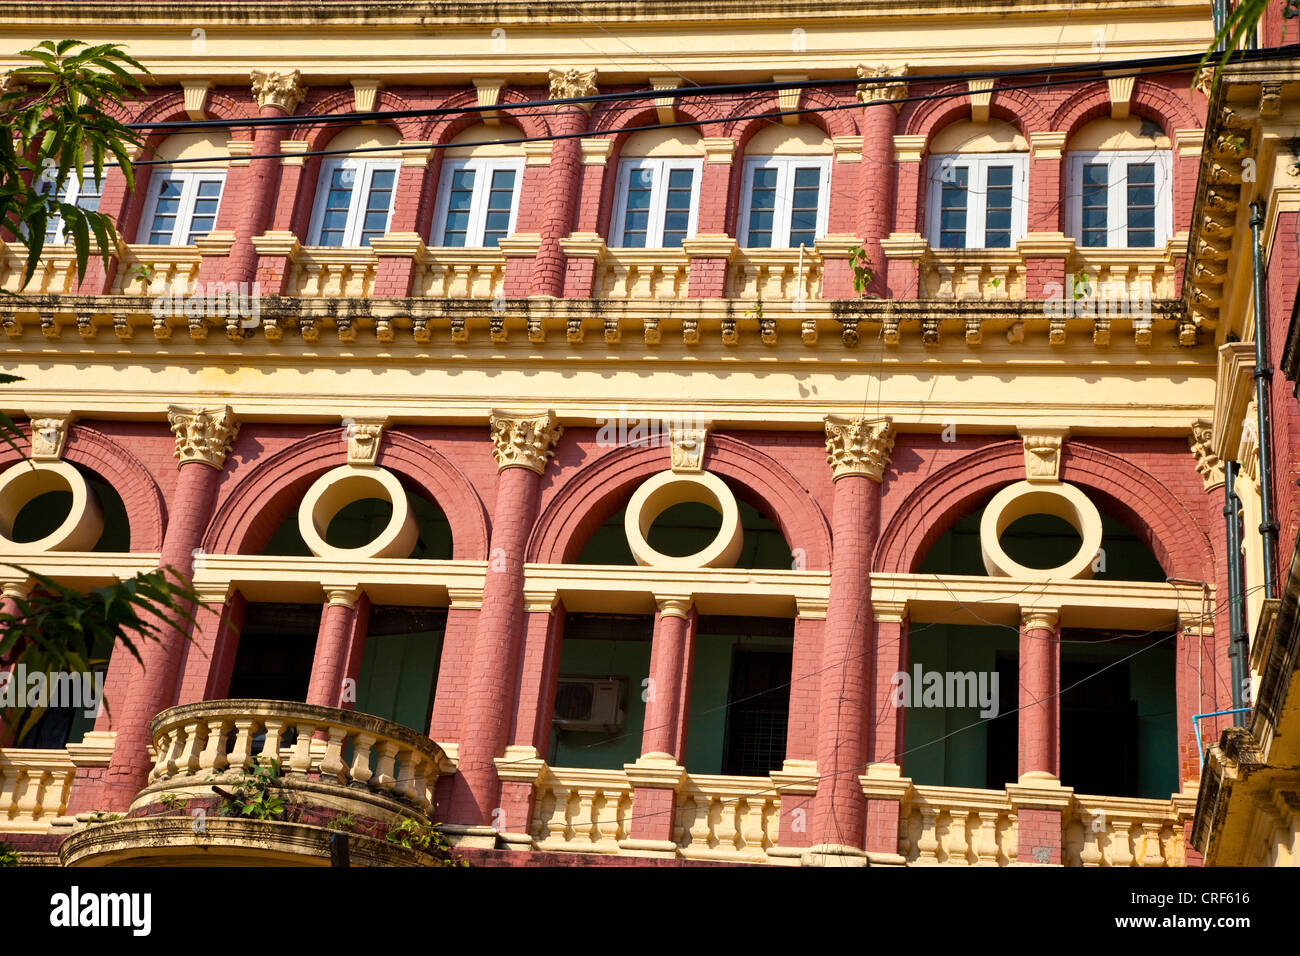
<point>1095,193</point>
<point>677,207</point>
<point>164,217</point>
<point>803,206</point>
<point>500,200</point>
<point>460,196</point>
<point>1141,205</point>
<point>380,199</point>
<point>953,199</point>
<point>997,208</point>
<point>636,217</point>
<point>762,204</point>
<point>337,201</point>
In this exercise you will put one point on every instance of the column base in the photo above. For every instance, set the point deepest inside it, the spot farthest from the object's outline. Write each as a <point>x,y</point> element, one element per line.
<point>834,854</point>
<point>470,836</point>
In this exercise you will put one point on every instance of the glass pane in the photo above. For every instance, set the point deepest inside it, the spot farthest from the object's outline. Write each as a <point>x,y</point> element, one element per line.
<point>1094,204</point>
<point>1141,205</point>
<point>953,200</point>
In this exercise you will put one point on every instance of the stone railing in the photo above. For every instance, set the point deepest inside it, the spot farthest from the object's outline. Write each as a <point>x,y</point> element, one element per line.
<point>582,811</point>
<point>35,784</point>
<point>451,273</point>
<point>322,272</point>
<point>956,826</point>
<point>56,272</point>
<point>775,274</point>
<point>157,270</point>
<point>726,818</point>
<point>730,819</point>
<point>987,274</point>
<point>321,750</point>
<point>1134,274</point>
<point>643,274</point>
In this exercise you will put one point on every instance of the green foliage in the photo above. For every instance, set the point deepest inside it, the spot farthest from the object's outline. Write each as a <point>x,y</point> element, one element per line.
<point>173,801</point>
<point>55,628</point>
<point>99,816</point>
<point>863,272</point>
<point>411,834</point>
<point>57,109</point>
<point>1239,25</point>
<point>756,312</point>
<point>342,821</point>
<point>254,793</point>
<point>8,855</point>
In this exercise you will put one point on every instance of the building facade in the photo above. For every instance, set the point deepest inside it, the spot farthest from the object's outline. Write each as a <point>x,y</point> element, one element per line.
<point>731,433</point>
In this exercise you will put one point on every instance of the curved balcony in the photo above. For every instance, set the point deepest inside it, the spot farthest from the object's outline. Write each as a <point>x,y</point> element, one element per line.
<point>327,771</point>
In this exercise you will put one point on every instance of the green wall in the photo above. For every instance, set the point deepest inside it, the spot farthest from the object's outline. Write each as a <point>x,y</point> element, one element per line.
<point>398,675</point>
<point>599,658</point>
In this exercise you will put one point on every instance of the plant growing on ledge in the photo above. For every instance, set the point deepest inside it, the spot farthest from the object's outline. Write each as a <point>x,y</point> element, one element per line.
<point>411,834</point>
<point>8,855</point>
<point>254,793</point>
<point>863,273</point>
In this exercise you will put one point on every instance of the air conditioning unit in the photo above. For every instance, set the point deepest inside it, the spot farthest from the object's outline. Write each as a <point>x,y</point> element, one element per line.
<point>590,703</point>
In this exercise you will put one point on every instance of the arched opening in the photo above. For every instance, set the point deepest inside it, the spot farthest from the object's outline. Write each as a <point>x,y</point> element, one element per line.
<point>1117,702</point>
<point>478,187</point>
<point>1119,185</point>
<point>785,187</point>
<point>181,200</point>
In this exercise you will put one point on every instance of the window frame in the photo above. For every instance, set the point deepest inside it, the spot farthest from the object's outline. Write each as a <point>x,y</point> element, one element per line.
<point>190,178</point>
<point>364,169</point>
<point>663,166</point>
<point>977,166</point>
<point>70,194</point>
<point>781,215</point>
<point>1117,194</point>
<point>483,167</point>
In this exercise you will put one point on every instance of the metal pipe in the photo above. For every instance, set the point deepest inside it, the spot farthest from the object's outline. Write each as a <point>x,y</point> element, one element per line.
<point>1196,723</point>
<point>1264,443</point>
<point>1238,654</point>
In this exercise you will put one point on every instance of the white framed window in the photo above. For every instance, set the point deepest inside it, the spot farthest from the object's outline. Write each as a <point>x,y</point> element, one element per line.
<point>1120,199</point>
<point>977,200</point>
<point>81,191</point>
<point>784,201</point>
<point>478,200</point>
<point>182,205</point>
<point>354,201</point>
<point>657,204</point>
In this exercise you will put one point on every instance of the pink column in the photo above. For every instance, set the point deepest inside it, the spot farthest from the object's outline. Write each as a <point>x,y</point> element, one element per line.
<point>876,187</point>
<point>209,655</point>
<point>797,781</point>
<point>669,676</point>
<point>522,447</point>
<point>1039,703</point>
<point>139,690</point>
<point>561,200</point>
<point>858,451</point>
<point>260,181</point>
<point>333,648</point>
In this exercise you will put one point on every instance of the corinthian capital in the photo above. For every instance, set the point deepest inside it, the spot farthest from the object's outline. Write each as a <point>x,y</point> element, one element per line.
<point>524,441</point>
<point>878,91</point>
<point>203,434</point>
<point>572,83</point>
<point>858,446</point>
<point>284,90</point>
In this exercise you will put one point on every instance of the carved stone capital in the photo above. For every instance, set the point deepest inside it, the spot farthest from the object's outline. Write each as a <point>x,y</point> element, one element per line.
<point>364,438</point>
<point>203,434</point>
<point>858,446</point>
<point>687,443</point>
<point>524,441</point>
<point>882,92</point>
<point>48,438</point>
<point>1039,618</point>
<point>1043,453</point>
<point>572,83</point>
<point>273,88</point>
<point>1207,462</point>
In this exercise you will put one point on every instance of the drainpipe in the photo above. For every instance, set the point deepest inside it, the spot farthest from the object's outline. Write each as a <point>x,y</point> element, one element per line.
<point>1237,649</point>
<point>1267,526</point>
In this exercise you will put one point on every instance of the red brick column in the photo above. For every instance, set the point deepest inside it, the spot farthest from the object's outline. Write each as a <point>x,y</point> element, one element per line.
<point>1039,685</point>
<point>858,452</point>
<point>522,447</point>
<point>562,183</point>
<point>209,657</point>
<point>139,690</point>
<point>665,707</point>
<point>333,648</point>
<point>885,732</point>
<point>260,181</point>
<point>876,187</point>
<point>797,779</point>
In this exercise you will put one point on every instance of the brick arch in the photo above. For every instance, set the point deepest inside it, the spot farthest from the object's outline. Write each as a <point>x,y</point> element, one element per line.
<point>1117,486</point>
<point>834,123</point>
<point>122,471</point>
<point>442,129</point>
<point>588,499</point>
<point>953,105</point>
<point>1150,100</point>
<point>260,502</point>
<point>621,119</point>
<point>318,135</point>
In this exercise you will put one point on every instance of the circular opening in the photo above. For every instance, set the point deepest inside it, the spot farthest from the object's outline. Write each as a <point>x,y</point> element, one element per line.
<point>684,529</point>
<point>42,516</point>
<point>358,523</point>
<point>1041,541</point>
